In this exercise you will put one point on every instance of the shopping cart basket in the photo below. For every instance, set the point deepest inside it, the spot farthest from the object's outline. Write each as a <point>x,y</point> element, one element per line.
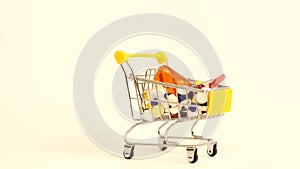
<point>151,97</point>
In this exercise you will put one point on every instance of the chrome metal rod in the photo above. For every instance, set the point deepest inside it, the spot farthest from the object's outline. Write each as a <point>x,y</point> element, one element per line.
<point>172,144</point>
<point>126,78</point>
<point>168,129</point>
<point>160,127</point>
<point>192,129</point>
<point>129,130</point>
<point>183,137</point>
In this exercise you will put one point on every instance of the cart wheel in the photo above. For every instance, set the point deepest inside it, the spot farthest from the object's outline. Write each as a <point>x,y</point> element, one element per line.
<point>161,141</point>
<point>192,155</point>
<point>212,151</point>
<point>128,151</point>
<point>163,148</point>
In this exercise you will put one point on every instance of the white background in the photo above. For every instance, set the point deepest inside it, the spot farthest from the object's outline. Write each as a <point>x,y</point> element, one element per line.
<point>40,41</point>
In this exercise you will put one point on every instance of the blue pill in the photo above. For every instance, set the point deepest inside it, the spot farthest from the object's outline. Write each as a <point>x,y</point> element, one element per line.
<point>154,103</point>
<point>192,108</point>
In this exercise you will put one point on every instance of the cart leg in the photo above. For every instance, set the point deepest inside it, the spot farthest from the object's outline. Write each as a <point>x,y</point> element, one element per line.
<point>192,129</point>
<point>129,147</point>
<point>160,127</point>
<point>169,128</point>
<point>129,130</point>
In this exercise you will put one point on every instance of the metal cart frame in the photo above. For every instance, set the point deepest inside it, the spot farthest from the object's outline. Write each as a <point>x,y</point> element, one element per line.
<point>143,83</point>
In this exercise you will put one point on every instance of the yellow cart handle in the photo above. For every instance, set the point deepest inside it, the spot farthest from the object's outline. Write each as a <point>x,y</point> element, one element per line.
<point>122,57</point>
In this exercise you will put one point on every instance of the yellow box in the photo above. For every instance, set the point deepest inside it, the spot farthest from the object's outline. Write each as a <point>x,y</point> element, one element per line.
<point>219,101</point>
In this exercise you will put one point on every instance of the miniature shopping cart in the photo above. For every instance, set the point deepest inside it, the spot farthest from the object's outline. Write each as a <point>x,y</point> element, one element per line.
<point>154,104</point>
